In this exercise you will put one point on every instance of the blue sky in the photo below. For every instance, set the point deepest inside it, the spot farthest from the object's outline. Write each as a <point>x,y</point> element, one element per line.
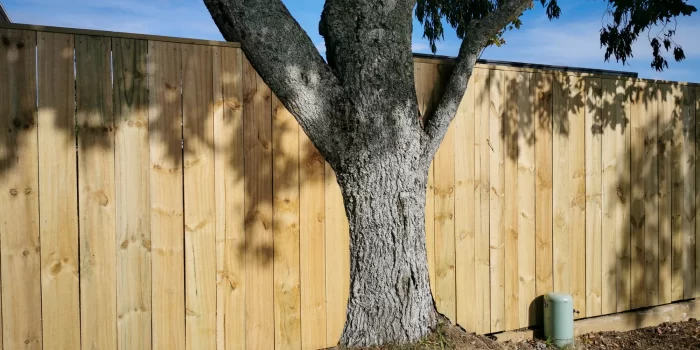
<point>572,40</point>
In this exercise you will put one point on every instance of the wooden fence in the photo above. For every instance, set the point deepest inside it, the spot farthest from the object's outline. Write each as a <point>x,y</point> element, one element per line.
<point>196,214</point>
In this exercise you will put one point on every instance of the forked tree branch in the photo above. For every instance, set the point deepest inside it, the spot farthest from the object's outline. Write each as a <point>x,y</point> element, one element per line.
<point>479,33</point>
<point>285,58</point>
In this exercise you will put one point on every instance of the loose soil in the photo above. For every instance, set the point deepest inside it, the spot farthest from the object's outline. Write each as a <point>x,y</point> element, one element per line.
<point>676,335</point>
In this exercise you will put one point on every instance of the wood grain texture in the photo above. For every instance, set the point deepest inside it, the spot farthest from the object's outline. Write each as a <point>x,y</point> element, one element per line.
<point>337,259</point>
<point>482,188</point>
<point>258,250</point>
<point>510,150</point>
<point>132,188</point>
<point>666,108</point>
<point>200,202</point>
<point>465,278</point>
<point>230,192</point>
<point>688,164</point>
<point>58,184</point>
<point>593,142</point>
<point>95,127</point>
<point>166,182</point>
<point>609,196</point>
<point>542,88</point>
<point>526,201</point>
<point>678,184</point>
<point>444,179</point>
<point>285,206</point>
<point>697,194</point>
<point>561,204</point>
<point>20,257</point>
<point>650,118</point>
<point>637,196</point>
<point>622,192</point>
<point>496,201</point>
<point>312,240</point>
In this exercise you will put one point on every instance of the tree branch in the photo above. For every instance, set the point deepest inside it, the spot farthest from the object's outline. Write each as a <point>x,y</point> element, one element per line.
<point>286,59</point>
<point>473,44</point>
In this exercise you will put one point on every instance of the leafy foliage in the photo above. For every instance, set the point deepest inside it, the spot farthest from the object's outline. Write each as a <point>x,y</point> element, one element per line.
<point>628,19</point>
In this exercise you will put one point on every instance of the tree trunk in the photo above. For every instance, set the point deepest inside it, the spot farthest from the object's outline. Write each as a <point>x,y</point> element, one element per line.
<point>390,299</point>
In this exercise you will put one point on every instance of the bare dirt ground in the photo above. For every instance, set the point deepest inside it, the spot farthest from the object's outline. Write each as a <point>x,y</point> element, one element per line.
<point>678,335</point>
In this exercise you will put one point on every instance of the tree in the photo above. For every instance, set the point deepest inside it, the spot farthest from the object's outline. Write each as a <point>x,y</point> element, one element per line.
<point>360,111</point>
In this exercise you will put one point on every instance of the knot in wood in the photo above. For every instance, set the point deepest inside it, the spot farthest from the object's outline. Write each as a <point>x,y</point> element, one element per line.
<point>13,192</point>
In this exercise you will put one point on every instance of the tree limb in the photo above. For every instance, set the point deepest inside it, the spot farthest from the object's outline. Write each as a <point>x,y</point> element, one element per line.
<point>480,32</point>
<point>286,59</point>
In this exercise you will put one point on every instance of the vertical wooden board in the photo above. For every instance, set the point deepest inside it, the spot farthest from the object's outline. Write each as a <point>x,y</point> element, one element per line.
<point>230,192</point>
<point>166,182</point>
<point>665,135</point>
<point>58,184</point>
<point>496,198</point>
<point>481,201</point>
<point>560,192</point>
<point>465,279</point>
<point>688,165</point>
<point>526,201</point>
<point>677,186</point>
<point>312,240</point>
<point>609,182</point>
<point>650,116</point>
<point>19,206</point>
<point>285,214</point>
<point>424,81</point>
<point>697,195</point>
<point>259,251</point>
<point>542,85</point>
<point>593,144</point>
<point>638,197</point>
<point>337,259</point>
<point>444,178</point>
<point>577,192</point>
<point>622,195</point>
<point>131,163</point>
<point>219,192</point>
<point>509,127</point>
<point>95,127</point>
<point>198,164</point>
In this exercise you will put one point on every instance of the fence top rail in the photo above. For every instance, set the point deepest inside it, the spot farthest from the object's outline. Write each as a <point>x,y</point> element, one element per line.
<point>418,58</point>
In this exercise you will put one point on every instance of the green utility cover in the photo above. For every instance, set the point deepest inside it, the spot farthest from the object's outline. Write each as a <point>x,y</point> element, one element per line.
<point>559,318</point>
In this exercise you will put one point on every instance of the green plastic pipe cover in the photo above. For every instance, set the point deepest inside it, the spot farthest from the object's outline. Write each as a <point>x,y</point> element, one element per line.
<point>559,318</point>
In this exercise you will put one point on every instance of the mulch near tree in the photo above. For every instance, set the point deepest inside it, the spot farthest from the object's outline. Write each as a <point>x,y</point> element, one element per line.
<point>676,335</point>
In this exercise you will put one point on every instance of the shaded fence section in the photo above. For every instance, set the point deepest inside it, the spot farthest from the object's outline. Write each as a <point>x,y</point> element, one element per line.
<point>156,194</point>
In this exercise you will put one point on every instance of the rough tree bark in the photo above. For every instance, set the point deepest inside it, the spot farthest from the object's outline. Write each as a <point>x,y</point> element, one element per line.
<point>360,111</point>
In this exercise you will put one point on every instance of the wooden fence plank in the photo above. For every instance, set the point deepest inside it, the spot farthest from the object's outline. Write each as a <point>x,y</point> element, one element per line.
<point>19,207</point>
<point>444,167</point>
<point>337,259</point>
<point>481,197</point>
<point>526,201</point>
<point>637,198</point>
<point>577,192</point>
<point>665,134</point>
<point>688,165</point>
<point>258,211</point>
<point>678,183</point>
<point>312,239</point>
<point>697,195</point>
<point>650,117</point>
<point>622,195</point>
<point>542,88</point>
<point>285,182</point>
<point>230,191</point>
<point>165,142</point>
<point>465,279</point>
<point>95,127</point>
<point>496,198</point>
<point>58,202</point>
<point>200,205</point>
<point>131,163</point>
<point>219,193</point>
<point>509,130</point>
<point>609,195</point>
<point>561,198</point>
<point>593,146</point>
